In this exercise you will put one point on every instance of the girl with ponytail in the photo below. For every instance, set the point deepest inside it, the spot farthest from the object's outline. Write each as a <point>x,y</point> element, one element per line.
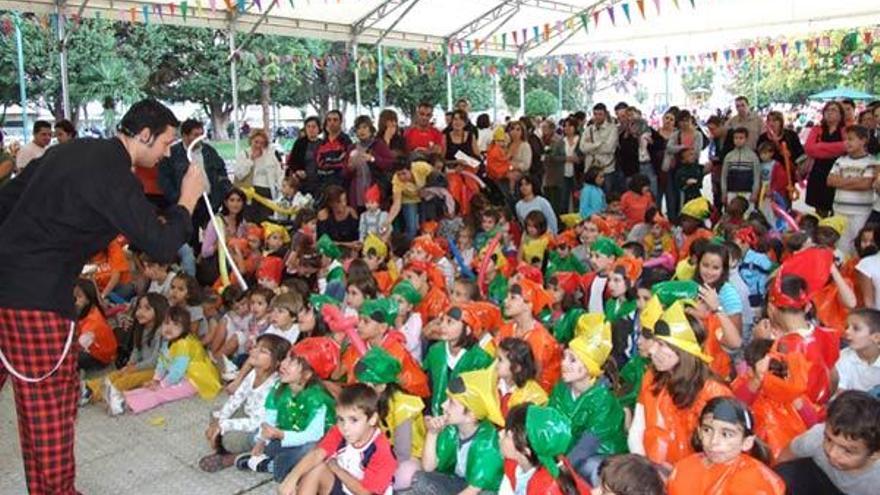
<point>534,441</point>
<point>729,459</point>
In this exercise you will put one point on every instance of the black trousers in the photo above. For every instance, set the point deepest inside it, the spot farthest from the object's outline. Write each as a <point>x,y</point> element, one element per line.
<point>804,477</point>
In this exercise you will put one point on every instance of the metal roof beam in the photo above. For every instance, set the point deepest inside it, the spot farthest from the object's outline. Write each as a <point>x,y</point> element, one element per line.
<point>396,21</point>
<point>501,10</point>
<point>565,35</point>
<point>371,18</point>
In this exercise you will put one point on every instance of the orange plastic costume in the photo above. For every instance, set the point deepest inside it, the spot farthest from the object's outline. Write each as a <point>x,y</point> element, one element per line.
<point>668,429</point>
<point>821,347</point>
<point>412,378</point>
<point>700,233</point>
<point>111,260</point>
<point>829,310</point>
<point>694,475</point>
<point>777,421</point>
<point>497,164</point>
<point>103,347</point>
<point>548,353</point>
<point>463,187</point>
<point>720,364</point>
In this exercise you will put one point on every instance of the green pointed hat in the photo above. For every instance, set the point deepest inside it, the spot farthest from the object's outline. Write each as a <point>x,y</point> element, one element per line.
<point>382,310</point>
<point>673,290</point>
<point>564,328</point>
<point>317,301</point>
<point>549,434</point>
<point>408,292</point>
<point>377,367</point>
<point>328,248</point>
<point>607,246</point>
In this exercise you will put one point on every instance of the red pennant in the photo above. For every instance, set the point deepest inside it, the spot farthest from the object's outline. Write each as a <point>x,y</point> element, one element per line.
<point>752,51</point>
<point>171,7</point>
<point>666,61</point>
<point>771,49</point>
<point>596,18</point>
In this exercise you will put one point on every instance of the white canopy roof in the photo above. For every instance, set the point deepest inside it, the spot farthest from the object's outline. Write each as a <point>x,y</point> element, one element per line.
<point>494,27</point>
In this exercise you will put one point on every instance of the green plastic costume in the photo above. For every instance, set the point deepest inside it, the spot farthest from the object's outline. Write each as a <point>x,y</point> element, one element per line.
<point>616,310</point>
<point>563,330</point>
<point>474,358</point>
<point>296,411</point>
<point>595,411</point>
<point>631,377</point>
<point>498,289</point>
<point>485,465</point>
<point>556,263</point>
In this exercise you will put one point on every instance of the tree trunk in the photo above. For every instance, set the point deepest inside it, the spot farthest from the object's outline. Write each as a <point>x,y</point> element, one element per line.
<point>219,115</point>
<point>265,103</point>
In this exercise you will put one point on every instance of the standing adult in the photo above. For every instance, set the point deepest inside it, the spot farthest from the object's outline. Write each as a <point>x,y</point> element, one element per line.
<point>64,131</point>
<point>173,169</point>
<point>686,136</point>
<point>369,157</point>
<point>744,118</point>
<point>554,166</point>
<point>45,239</point>
<point>717,152</point>
<point>332,156</point>
<point>537,169</point>
<point>628,142</point>
<point>42,136</point>
<point>824,145</point>
<point>423,138</point>
<point>303,158</point>
<point>598,145</point>
<point>777,133</point>
<point>519,153</point>
<point>389,133</point>
<point>657,152</point>
<point>259,167</point>
<point>458,138</point>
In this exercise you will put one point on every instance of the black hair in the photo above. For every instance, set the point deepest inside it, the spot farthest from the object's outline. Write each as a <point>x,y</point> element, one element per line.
<point>715,120</point>
<point>744,418</point>
<point>467,339</point>
<point>733,250</point>
<point>856,415</point>
<point>638,250</point>
<point>848,101</point>
<point>767,146</point>
<point>365,120</point>
<point>147,114</point>
<point>792,286</point>
<point>263,292</point>
<point>66,126</point>
<point>277,346</point>
<point>600,106</point>
<point>522,360</point>
<point>189,125</point>
<point>90,290</point>
<point>592,174</point>
<point>303,217</point>
<point>179,316</point>
<point>741,130</point>
<point>239,217</point>
<point>698,247</point>
<point>537,218</point>
<point>757,349</point>
<point>742,98</point>
<point>483,121</point>
<point>142,335</point>
<point>621,105</point>
<point>41,124</point>
<point>683,116</point>
<point>858,131</point>
<point>857,242</point>
<point>515,424</point>
<point>638,182</point>
<point>653,275</point>
<point>359,396</point>
<point>193,289</point>
<point>720,251</point>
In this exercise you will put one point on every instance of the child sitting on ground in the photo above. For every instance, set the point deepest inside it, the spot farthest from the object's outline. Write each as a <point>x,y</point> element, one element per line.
<point>354,456</point>
<point>95,337</point>
<point>858,367</point>
<point>232,428</point>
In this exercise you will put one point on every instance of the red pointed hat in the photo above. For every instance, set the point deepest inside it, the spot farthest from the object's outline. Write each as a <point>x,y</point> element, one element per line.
<point>322,354</point>
<point>373,194</point>
<point>812,264</point>
<point>271,268</point>
<point>427,244</point>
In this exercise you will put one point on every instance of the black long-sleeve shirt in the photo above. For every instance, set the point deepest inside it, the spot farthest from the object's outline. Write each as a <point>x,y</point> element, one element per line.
<point>64,208</point>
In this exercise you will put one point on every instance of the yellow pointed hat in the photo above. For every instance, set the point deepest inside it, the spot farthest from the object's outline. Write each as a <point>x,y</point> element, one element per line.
<point>698,208</point>
<point>478,392</point>
<point>674,328</point>
<point>373,242</point>
<point>270,228</point>
<point>570,219</point>
<point>593,342</point>
<point>651,313</point>
<point>836,223</point>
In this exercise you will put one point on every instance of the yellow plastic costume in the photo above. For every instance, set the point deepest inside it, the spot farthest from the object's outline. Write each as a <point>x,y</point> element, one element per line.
<point>402,408</point>
<point>201,372</point>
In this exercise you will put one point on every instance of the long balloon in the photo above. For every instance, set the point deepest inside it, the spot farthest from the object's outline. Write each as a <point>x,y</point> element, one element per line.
<point>347,324</point>
<point>781,213</point>
<point>221,238</point>
<point>484,264</point>
<point>465,270</point>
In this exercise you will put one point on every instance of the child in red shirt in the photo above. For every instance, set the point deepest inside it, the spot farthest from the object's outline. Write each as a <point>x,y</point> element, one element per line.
<point>354,456</point>
<point>635,202</point>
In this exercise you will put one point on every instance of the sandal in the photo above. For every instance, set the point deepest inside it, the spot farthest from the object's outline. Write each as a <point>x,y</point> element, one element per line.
<point>216,462</point>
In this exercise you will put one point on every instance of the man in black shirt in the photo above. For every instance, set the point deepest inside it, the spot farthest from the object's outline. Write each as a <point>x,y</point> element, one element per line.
<point>61,210</point>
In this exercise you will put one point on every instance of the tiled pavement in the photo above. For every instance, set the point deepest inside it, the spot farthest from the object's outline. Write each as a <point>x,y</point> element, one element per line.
<point>131,455</point>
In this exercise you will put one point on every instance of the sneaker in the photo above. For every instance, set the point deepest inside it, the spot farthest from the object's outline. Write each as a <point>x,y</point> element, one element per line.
<point>85,395</point>
<point>230,370</point>
<point>242,462</point>
<point>264,466</point>
<point>114,398</point>
<point>256,461</point>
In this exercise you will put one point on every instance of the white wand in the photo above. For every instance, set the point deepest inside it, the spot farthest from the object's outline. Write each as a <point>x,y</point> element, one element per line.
<point>221,240</point>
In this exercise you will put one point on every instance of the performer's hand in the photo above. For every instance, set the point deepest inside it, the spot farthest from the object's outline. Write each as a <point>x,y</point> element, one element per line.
<point>191,188</point>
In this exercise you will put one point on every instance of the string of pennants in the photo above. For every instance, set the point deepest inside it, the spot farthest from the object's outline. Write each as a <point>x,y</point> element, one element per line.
<point>519,37</point>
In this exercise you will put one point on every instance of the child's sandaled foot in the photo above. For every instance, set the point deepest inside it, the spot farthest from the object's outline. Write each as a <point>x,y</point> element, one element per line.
<point>216,462</point>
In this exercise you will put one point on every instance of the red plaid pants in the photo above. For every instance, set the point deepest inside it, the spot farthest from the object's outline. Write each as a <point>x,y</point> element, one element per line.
<point>32,341</point>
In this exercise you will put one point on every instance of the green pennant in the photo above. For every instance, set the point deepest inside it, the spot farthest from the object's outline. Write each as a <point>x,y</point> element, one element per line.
<point>184,7</point>
<point>585,22</point>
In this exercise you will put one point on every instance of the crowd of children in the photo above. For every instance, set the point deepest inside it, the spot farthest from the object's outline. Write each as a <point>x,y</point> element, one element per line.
<point>617,354</point>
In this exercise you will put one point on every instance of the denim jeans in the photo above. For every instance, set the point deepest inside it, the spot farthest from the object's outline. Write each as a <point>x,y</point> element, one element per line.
<point>615,182</point>
<point>187,260</point>
<point>647,170</point>
<point>673,197</point>
<point>410,213</point>
<point>285,458</point>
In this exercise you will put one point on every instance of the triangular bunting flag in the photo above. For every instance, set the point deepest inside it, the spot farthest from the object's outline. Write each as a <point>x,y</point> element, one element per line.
<point>693,4</point>
<point>184,7</point>
<point>641,5</point>
<point>596,18</point>
<point>675,2</point>
<point>611,15</point>
<point>536,32</point>
<point>625,8</point>
<point>584,22</point>
<point>146,12</point>
<point>657,5</point>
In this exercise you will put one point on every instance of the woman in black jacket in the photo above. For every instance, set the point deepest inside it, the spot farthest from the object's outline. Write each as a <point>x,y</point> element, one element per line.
<point>302,159</point>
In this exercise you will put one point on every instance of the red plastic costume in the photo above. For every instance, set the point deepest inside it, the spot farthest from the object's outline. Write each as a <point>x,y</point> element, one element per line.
<point>548,353</point>
<point>821,347</point>
<point>668,429</point>
<point>542,482</point>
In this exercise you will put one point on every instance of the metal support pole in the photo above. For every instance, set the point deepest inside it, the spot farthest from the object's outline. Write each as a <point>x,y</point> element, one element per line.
<point>233,76</point>
<point>495,98</point>
<point>448,80</point>
<point>380,78</point>
<point>559,95</point>
<point>22,87</point>
<point>62,48</point>
<point>357,79</point>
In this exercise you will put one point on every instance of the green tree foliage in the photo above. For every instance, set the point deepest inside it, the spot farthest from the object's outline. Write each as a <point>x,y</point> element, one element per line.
<point>541,102</point>
<point>849,61</point>
<point>572,89</point>
<point>698,83</point>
